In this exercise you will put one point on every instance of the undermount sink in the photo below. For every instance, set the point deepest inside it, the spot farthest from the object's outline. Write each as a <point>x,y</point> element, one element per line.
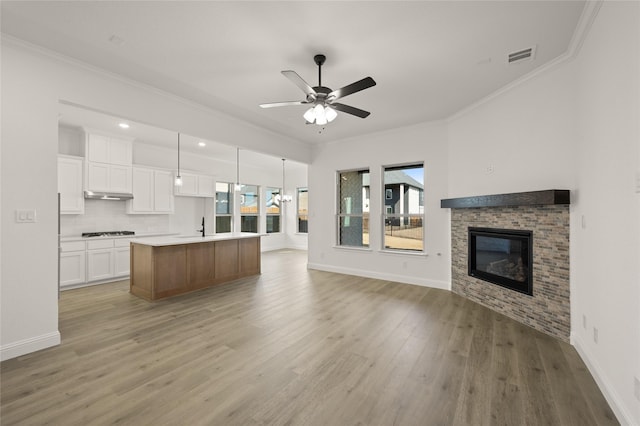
<point>188,236</point>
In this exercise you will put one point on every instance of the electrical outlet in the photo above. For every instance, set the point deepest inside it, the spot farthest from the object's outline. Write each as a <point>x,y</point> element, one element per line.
<point>595,335</point>
<point>584,321</point>
<point>584,222</point>
<point>636,388</point>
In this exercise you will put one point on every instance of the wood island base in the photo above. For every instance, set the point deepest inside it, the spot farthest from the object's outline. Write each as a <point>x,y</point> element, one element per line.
<point>159,271</point>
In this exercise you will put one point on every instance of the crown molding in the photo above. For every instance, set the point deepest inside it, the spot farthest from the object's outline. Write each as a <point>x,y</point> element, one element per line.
<point>585,23</point>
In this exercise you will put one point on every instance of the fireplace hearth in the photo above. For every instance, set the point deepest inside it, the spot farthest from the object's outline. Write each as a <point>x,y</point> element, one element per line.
<point>502,257</point>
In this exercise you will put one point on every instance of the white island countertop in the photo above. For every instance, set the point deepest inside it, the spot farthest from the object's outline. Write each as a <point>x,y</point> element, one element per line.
<point>193,239</point>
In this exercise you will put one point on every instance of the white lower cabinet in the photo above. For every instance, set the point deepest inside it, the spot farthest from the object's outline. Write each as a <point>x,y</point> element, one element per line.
<point>100,264</point>
<point>121,258</point>
<point>72,263</point>
<point>93,261</point>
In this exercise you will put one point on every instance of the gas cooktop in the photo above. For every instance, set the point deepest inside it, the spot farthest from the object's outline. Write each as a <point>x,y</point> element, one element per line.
<point>107,234</point>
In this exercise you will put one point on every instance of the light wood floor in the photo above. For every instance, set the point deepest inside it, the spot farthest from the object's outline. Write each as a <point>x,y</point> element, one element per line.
<point>297,347</point>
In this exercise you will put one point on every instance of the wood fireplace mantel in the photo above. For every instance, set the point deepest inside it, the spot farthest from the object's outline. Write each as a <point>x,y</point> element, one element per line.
<point>533,198</point>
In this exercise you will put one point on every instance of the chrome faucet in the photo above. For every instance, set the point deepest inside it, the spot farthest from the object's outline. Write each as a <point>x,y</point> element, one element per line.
<point>202,230</point>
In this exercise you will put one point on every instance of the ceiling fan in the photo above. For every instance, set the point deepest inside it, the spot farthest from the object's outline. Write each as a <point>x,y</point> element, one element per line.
<point>322,99</point>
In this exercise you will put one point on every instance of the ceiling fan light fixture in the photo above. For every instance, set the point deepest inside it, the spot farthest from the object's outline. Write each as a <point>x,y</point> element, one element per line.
<point>310,115</point>
<point>330,113</point>
<point>323,110</point>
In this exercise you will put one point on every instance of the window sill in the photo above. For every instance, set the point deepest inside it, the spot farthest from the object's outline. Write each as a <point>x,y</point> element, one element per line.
<point>405,252</point>
<point>353,248</point>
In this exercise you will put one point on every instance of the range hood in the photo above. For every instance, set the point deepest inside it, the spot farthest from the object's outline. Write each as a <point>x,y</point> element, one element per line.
<point>116,196</point>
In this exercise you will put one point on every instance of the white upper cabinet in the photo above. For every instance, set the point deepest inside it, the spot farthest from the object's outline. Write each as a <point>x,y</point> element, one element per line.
<point>194,185</point>
<point>70,185</point>
<point>109,150</point>
<point>152,192</point>
<point>108,167</point>
<point>163,191</point>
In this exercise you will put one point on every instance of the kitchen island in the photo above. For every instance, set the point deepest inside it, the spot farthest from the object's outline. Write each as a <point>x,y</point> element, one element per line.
<point>167,266</point>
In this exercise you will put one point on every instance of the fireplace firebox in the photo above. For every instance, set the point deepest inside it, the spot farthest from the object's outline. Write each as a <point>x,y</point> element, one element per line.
<point>503,257</point>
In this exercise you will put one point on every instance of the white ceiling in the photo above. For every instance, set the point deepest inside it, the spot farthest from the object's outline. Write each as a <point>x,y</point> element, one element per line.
<point>430,59</point>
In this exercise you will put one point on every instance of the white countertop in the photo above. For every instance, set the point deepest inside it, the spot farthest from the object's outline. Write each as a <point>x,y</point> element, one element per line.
<point>173,240</point>
<point>66,239</point>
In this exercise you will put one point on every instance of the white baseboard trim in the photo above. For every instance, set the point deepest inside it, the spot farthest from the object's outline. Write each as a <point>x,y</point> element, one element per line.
<point>23,347</point>
<point>443,285</point>
<point>622,413</point>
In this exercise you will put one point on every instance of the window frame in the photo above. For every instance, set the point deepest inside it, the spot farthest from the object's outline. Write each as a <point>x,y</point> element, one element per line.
<point>385,216</point>
<point>278,191</point>
<point>299,190</point>
<point>230,200</point>
<point>364,215</point>
<point>257,214</point>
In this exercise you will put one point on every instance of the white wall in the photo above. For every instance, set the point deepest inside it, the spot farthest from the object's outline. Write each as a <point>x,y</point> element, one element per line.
<point>522,140</point>
<point>427,143</point>
<point>28,287</point>
<point>606,251</point>
<point>33,83</point>
<point>575,126</point>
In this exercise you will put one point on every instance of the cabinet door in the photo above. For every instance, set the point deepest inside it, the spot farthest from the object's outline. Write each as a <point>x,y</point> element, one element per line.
<point>206,186</point>
<point>98,148</point>
<point>121,260</point>
<point>99,264</point>
<point>70,186</point>
<point>72,268</point>
<point>98,177</point>
<point>189,185</point>
<point>163,192</point>
<point>120,152</point>
<point>143,183</point>
<point>120,178</point>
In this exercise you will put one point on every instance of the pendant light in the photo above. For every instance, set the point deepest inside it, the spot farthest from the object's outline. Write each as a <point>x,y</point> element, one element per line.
<point>238,187</point>
<point>284,198</point>
<point>178,181</point>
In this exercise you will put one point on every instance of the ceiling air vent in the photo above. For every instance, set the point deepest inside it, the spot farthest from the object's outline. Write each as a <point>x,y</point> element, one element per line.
<point>522,55</point>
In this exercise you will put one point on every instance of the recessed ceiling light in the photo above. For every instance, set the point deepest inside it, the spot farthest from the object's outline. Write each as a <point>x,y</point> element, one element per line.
<point>123,125</point>
<point>202,143</point>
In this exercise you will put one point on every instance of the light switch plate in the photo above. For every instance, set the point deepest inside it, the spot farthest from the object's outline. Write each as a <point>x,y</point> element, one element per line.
<point>26,216</point>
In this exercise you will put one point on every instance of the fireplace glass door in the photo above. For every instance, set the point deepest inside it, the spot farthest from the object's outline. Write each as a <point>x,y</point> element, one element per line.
<point>503,257</point>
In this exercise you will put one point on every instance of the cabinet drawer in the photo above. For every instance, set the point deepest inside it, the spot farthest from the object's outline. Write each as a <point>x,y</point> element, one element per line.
<point>122,242</point>
<point>100,244</point>
<point>72,246</point>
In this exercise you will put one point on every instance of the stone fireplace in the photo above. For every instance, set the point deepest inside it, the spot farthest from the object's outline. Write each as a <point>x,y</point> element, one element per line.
<point>543,214</point>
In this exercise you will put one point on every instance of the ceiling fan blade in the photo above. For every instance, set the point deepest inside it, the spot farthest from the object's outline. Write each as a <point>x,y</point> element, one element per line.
<point>365,83</point>
<point>351,110</point>
<point>298,81</point>
<point>279,104</point>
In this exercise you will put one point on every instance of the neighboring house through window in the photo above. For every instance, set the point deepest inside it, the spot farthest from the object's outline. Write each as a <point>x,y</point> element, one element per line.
<point>224,207</point>
<point>353,208</point>
<point>404,207</point>
<point>249,208</point>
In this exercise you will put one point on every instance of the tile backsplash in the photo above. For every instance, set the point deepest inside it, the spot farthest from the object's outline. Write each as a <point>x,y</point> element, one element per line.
<point>101,215</point>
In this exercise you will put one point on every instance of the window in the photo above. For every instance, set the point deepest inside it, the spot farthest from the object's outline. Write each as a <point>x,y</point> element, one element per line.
<point>249,208</point>
<point>353,208</point>
<point>404,207</point>
<point>303,210</point>
<point>224,206</point>
<point>273,209</point>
